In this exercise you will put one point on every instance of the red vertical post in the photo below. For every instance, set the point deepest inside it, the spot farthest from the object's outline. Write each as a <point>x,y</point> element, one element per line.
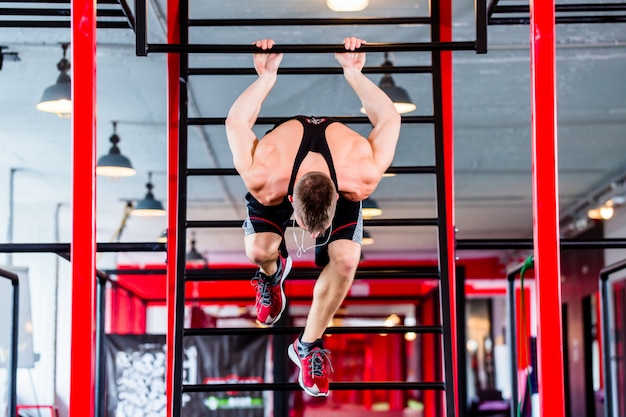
<point>546,208</point>
<point>447,101</point>
<point>173,104</point>
<point>83,248</point>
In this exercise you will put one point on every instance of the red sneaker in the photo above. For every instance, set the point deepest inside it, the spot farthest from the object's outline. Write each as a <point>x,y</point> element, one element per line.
<point>314,365</point>
<point>270,296</point>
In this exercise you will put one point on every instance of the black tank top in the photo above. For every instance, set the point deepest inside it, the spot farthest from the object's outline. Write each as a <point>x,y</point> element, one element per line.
<point>313,140</point>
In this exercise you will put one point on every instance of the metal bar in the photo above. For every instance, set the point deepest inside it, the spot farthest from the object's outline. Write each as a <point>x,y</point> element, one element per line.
<point>141,28</point>
<point>57,1</point>
<point>13,352</point>
<point>370,222</point>
<point>481,26</point>
<point>292,299</point>
<point>491,7</point>
<point>317,48</point>
<point>417,69</point>
<point>274,120</point>
<point>334,386</point>
<point>303,274</point>
<point>54,24</point>
<point>606,344</point>
<point>281,367</point>
<point>178,13</point>
<point>61,248</point>
<point>461,244</point>
<point>83,248</point>
<point>461,341</point>
<point>429,169</point>
<point>128,13</point>
<point>101,363</point>
<point>441,29</point>
<point>606,334</point>
<point>513,339</point>
<point>11,211</point>
<point>545,215</point>
<point>566,8</point>
<point>296,330</point>
<point>560,20</point>
<point>360,21</point>
<point>20,11</point>
<point>484,244</point>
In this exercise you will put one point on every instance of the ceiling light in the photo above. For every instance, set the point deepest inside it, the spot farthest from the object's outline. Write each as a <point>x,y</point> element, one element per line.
<point>163,237</point>
<point>370,208</point>
<point>398,95</point>
<point>193,256</point>
<point>114,164</point>
<point>392,320</point>
<point>367,238</point>
<point>149,206</point>
<point>604,212</point>
<point>58,97</point>
<point>347,5</point>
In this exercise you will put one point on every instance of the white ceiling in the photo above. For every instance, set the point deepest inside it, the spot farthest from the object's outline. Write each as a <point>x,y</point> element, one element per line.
<point>492,123</point>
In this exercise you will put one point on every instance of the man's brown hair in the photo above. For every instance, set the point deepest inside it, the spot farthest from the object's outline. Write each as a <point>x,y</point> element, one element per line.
<point>315,200</point>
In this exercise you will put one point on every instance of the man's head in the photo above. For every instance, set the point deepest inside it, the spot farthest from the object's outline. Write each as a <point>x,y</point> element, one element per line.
<point>314,201</point>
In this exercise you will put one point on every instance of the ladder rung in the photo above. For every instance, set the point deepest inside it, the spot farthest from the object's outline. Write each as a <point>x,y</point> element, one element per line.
<point>362,21</point>
<point>208,274</point>
<point>334,386</point>
<point>208,224</point>
<point>370,47</point>
<point>313,70</point>
<point>426,169</point>
<point>296,330</point>
<point>195,121</point>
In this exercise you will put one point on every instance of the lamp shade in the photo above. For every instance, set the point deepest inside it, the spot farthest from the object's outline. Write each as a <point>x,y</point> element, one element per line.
<point>58,97</point>
<point>163,237</point>
<point>149,206</point>
<point>369,208</point>
<point>114,164</point>
<point>193,255</point>
<point>398,95</point>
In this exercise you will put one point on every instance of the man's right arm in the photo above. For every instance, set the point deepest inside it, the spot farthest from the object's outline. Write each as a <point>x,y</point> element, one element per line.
<point>245,110</point>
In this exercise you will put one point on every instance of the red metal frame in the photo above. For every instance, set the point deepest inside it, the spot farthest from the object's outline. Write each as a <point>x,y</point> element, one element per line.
<point>173,102</point>
<point>447,101</point>
<point>545,208</point>
<point>83,249</point>
<point>54,411</point>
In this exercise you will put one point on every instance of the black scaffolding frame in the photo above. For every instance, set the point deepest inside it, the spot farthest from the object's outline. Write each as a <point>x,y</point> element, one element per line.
<point>183,48</point>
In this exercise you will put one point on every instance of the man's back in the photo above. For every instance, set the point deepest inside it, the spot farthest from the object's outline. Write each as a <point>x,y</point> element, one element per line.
<point>274,155</point>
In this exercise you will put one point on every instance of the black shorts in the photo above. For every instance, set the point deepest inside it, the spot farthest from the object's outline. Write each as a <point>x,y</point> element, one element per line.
<point>347,224</point>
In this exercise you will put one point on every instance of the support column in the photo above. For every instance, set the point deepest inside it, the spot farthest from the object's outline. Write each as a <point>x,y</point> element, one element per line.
<point>83,248</point>
<point>173,104</point>
<point>447,102</point>
<point>546,208</point>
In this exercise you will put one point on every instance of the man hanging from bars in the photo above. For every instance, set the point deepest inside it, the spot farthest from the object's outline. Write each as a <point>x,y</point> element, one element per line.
<point>319,170</point>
